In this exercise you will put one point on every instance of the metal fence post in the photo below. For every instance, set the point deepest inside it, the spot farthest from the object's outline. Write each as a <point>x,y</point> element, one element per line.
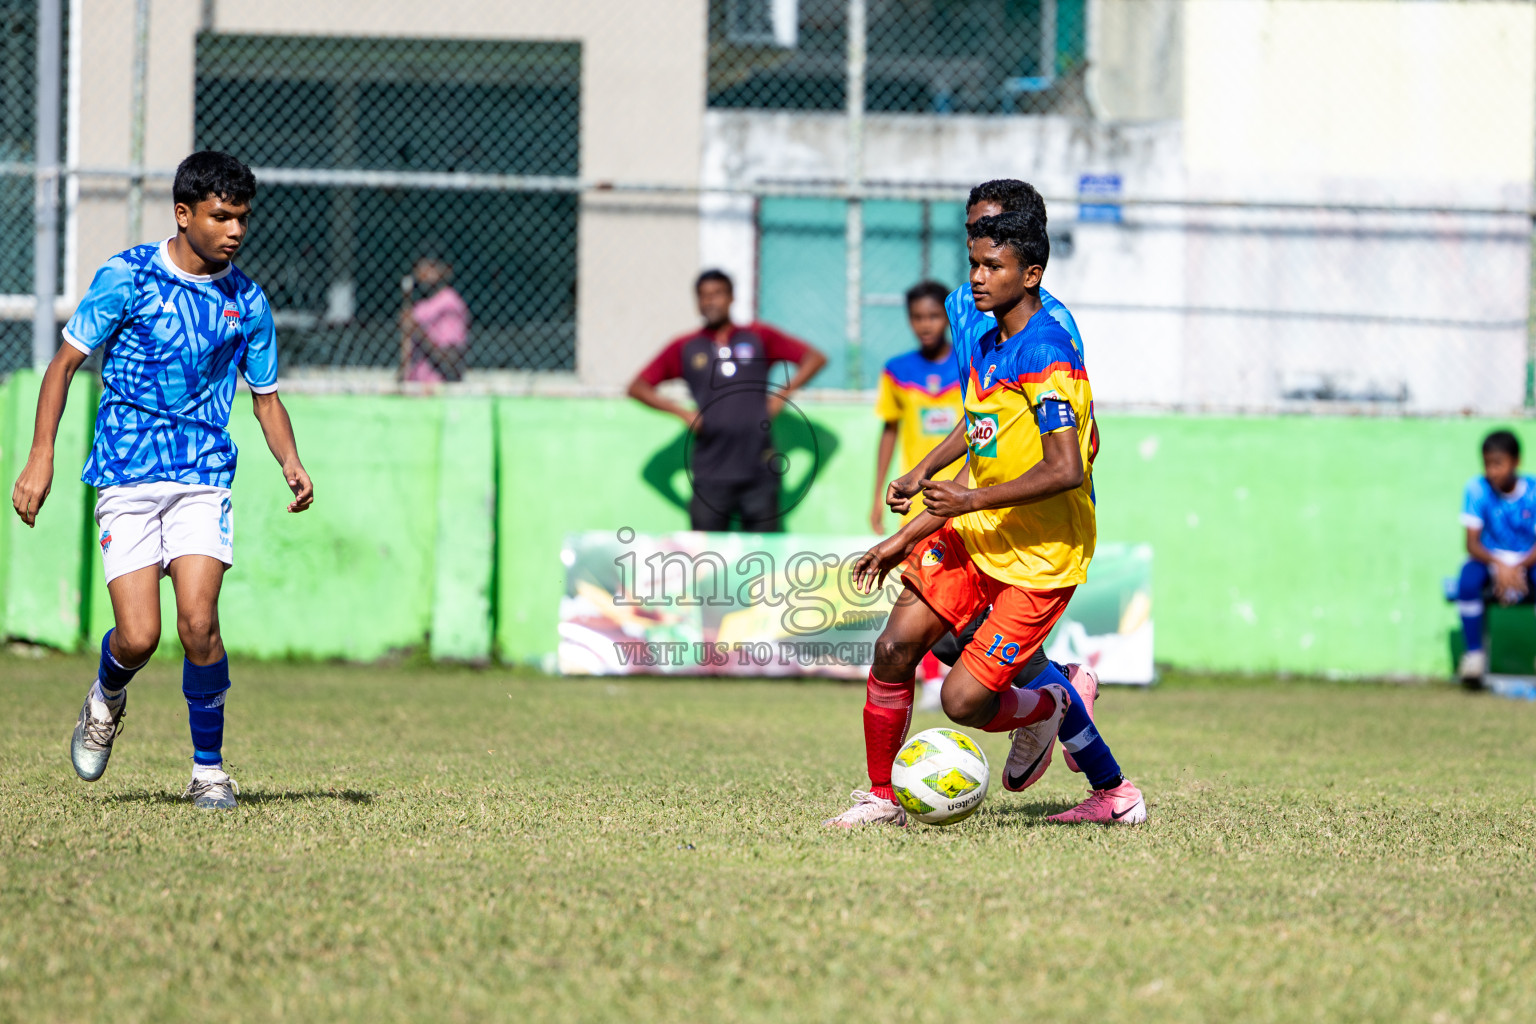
<point>136,121</point>
<point>854,233</point>
<point>45,238</point>
<point>1530,300</point>
<point>1530,322</point>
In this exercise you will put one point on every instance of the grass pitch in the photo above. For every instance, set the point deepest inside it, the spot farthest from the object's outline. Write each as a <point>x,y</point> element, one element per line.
<point>423,844</point>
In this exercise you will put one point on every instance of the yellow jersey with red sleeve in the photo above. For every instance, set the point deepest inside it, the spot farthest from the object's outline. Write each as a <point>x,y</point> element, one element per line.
<point>1016,392</point>
<point>922,397</point>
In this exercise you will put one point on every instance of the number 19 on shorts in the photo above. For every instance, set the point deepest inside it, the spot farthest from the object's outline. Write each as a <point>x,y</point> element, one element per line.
<point>1004,653</point>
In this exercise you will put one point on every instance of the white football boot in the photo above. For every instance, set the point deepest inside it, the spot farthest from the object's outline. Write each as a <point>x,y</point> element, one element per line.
<point>211,789</point>
<point>90,745</point>
<point>869,809</point>
<point>1030,754</point>
<point>1471,669</point>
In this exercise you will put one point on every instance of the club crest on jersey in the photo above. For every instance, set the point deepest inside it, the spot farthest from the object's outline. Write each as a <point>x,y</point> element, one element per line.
<point>986,381</point>
<point>934,555</point>
<point>935,384</point>
<point>231,314</point>
<point>983,435</point>
<point>700,360</point>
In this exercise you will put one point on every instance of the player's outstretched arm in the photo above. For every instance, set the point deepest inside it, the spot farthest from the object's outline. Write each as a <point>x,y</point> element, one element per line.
<point>869,571</point>
<point>36,478</point>
<point>899,495</point>
<point>1060,469</point>
<point>278,429</point>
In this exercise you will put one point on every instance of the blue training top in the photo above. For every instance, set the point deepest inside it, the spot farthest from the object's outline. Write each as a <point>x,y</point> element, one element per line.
<point>174,344</point>
<point>966,321</point>
<point>1507,521</point>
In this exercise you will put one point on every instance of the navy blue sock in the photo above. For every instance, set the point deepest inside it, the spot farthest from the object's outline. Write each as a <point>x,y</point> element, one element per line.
<point>204,687</point>
<point>1080,737</point>
<point>111,675</point>
<point>1471,623</point>
<point>1469,602</point>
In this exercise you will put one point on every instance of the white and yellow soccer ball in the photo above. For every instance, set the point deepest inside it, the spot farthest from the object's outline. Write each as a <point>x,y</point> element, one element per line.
<point>940,776</point>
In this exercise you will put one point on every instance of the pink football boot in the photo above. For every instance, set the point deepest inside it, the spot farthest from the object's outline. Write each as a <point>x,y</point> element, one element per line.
<point>1122,805</point>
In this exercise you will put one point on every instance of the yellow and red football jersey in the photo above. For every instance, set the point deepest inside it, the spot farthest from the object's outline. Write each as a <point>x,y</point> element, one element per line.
<point>1015,392</point>
<point>923,399</point>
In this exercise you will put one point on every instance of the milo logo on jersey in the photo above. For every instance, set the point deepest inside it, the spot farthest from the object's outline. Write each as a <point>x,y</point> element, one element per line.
<point>938,421</point>
<point>982,435</point>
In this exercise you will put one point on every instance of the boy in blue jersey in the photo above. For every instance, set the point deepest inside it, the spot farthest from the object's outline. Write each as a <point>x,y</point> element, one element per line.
<point>1499,513</point>
<point>990,198</point>
<point>177,322</point>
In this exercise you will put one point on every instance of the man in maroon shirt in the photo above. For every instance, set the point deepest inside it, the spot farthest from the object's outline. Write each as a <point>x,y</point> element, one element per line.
<point>735,470</point>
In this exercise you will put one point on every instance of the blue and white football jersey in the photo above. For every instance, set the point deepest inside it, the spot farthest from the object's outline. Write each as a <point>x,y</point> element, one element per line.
<point>174,342</point>
<point>970,323</point>
<point>1507,521</point>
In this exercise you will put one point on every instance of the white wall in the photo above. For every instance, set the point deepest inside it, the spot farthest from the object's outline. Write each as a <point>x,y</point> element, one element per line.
<point>1286,95</point>
<point>1301,101</point>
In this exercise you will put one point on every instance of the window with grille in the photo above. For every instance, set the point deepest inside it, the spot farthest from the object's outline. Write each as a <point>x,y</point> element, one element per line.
<point>332,255</point>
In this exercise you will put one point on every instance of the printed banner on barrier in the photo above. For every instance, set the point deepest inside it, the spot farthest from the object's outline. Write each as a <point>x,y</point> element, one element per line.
<point>784,605</point>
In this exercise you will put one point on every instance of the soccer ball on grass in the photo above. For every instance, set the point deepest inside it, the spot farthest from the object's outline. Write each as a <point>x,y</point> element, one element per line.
<point>940,776</point>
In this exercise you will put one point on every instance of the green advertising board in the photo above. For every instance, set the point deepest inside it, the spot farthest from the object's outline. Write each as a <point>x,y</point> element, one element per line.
<point>745,604</point>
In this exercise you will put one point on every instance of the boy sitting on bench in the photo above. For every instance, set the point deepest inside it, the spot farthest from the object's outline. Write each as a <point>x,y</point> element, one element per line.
<point>1499,512</point>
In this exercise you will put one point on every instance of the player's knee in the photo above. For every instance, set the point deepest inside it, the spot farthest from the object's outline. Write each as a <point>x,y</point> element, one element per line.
<point>895,660</point>
<point>199,631</point>
<point>966,707</point>
<point>133,645</point>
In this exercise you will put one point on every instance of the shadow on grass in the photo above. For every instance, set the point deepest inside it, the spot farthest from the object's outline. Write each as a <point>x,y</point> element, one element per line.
<point>350,796</point>
<point>1036,809</point>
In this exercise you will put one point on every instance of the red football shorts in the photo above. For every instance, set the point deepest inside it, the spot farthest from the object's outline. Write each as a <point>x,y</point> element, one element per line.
<point>942,573</point>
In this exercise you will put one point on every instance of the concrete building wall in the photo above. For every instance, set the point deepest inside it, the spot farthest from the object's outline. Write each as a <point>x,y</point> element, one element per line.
<point>1135,59</point>
<point>1355,101</point>
<point>1242,100</point>
<point>1108,266</point>
<point>1256,101</point>
<point>1283,94</point>
<point>642,97</point>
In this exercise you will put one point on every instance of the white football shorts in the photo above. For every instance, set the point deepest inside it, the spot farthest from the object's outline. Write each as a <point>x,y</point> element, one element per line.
<point>140,525</point>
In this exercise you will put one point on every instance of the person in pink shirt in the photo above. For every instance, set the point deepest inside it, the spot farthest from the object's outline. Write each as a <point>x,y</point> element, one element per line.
<point>434,329</point>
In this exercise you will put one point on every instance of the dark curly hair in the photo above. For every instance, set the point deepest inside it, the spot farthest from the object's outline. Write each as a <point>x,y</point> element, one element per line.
<point>1013,195</point>
<point>1502,441</point>
<point>212,173</point>
<point>1024,233</point>
<point>927,290</point>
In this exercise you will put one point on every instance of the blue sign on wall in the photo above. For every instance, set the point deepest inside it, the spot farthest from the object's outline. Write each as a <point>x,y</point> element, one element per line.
<point>1092,190</point>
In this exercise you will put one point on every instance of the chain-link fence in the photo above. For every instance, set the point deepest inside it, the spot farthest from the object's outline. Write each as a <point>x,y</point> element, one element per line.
<point>921,58</point>
<point>18,139</point>
<point>1287,204</point>
<point>333,248</point>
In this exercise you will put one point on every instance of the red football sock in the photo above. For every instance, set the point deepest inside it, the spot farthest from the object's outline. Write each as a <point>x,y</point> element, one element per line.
<point>1017,707</point>
<point>887,713</point>
<point>931,667</point>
